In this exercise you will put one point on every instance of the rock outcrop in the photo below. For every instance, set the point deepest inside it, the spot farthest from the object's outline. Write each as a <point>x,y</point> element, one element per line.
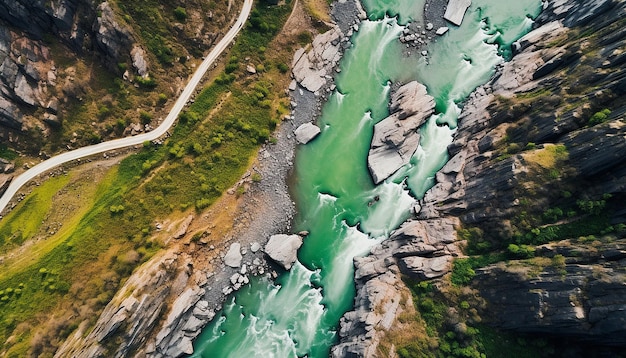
<point>396,137</point>
<point>455,11</point>
<point>283,249</point>
<point>23,70</point>
<point>419,249</point>
<point>136,312</point>
<point>33,88</point>
<point>581,297</point>
<point>578,290</point>
<point>313,69</point>
<point>114,40</point>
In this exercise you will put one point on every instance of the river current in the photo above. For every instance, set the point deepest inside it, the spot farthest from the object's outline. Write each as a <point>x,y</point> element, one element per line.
<point>298,313</point>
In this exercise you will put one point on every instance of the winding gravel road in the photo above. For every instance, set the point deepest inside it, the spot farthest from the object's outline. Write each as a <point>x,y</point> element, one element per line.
<point>46,165</point>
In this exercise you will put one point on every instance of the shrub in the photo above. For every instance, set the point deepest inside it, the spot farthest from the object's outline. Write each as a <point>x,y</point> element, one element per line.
<point>591,206</point>
<point>180,14</point>
<point>162,98</point>
<point>521,251</point>
<point>202,203</point>
<point>145,117</point>
<point>147,82</point>
<point>599,117</point>
<point>283,68</point>
<point>462,272</point>
<point>304,38</point>
<point>103,112</point>
<point>553,214</point>
<point>116,209</point>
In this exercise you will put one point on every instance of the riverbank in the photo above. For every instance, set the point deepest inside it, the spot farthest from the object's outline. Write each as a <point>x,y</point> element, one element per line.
<point>479,196</point>
<point>210,257</point>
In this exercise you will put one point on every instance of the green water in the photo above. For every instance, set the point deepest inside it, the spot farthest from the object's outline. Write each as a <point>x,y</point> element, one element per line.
<point>406,11</point>
<point>298,314</point>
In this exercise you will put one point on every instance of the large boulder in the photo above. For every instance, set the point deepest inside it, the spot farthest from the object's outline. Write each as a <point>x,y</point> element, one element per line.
<point>306,132</point>
<point>396,137</point>
<point>233,257</point>
<point>455,11</point>
<point>283,249</point>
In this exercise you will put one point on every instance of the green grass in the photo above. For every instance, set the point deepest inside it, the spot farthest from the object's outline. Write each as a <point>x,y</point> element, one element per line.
<point>24,221</point>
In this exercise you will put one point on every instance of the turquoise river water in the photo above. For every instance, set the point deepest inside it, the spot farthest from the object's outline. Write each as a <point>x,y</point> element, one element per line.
<point>297,315</point>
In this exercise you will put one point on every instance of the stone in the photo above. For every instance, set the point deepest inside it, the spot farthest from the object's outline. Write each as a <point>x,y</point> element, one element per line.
<point>233,257</point>
<point>140,64</point>
<point>306,132</point>
<point>193,324</point>
<point>396,137</point>
<point>182,229</point>
<point>283,249</point>
<point>429,26</point>
<point>310,69</point>
<point>10,114</point>
<point>442,30</point>
<point>255,246</point>
<point>183,303</point>
<point>235,278</point>
<point>424,268</point>
<point>183,346</point>
<point>455,11</point>
<point>250,69</point>
<point>25,92</point>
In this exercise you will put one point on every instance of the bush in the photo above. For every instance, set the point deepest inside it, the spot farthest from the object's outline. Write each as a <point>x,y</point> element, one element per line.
<point>283,68</point>
<point>462,272</point>
<point>146,82</point>
<point>116,209</point>
<point>521,251</point>
<point>162,98</point>
<point>304,38</point>
<point>599,117</point>
<point>202,203</point>
<point>180,14</point>
<point>552,215</point>
<point>593,207</point>
<point>103,112</point>
<point>145,117</point>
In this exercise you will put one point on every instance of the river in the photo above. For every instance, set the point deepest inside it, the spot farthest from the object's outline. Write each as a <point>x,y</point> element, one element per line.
<point>298,313</point>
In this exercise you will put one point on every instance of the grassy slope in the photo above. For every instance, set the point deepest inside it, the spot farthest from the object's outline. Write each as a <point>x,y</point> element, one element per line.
<point>78,270</point>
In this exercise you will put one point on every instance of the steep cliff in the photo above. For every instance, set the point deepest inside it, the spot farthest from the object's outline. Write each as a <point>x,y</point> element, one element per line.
<point>29,73</point>
<point>536,181</point>
<point>73,72</point>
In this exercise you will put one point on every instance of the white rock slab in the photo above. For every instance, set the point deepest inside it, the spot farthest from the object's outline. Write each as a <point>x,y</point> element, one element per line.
<point>456,11</point>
